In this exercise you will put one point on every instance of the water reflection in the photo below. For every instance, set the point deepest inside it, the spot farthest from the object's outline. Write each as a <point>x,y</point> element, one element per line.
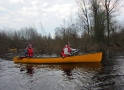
<point>28,68</point>
<point>62,76</point>
<point>65,68</point>
<point>47,76</point>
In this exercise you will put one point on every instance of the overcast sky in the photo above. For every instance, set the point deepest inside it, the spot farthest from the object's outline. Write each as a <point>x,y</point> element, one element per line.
<point>16,14</point>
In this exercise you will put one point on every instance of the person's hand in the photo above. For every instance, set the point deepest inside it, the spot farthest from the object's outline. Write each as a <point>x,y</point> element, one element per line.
<point>77,49</point>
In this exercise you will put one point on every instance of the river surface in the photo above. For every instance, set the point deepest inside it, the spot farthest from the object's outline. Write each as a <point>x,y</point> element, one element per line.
<point>105,75</point>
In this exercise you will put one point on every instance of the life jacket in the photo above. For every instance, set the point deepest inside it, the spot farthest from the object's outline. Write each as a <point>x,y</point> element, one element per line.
<point>62,52</point>
<point>30,52</point>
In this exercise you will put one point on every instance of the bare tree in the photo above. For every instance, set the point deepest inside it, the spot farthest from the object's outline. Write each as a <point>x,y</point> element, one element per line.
<point>110,6</point>
<point>84,14</point>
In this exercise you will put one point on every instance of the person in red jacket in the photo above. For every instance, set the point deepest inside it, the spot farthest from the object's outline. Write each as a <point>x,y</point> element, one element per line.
<point>29,51</point>
<point>66,50</point>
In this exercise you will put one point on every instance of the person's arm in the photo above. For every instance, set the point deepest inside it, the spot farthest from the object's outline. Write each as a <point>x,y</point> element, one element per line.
<point>72,50</point>
<point>26,52</point>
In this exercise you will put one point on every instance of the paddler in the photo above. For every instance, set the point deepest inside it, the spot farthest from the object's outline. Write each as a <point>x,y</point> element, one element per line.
<point>29,51</point>
<point>67,51</point>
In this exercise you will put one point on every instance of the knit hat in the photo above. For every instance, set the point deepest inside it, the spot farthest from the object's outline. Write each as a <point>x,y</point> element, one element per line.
<point>29,45</point>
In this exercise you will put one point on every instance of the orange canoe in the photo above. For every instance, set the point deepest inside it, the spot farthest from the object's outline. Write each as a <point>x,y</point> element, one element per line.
<point>91,57</point>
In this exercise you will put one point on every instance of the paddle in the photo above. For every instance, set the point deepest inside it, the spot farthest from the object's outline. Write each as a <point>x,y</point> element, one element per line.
<point>22,57</point>
<point>26,57</point>
<point>72,53</point>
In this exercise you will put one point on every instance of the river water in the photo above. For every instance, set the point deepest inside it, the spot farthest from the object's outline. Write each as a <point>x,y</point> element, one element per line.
<point>105,75</point>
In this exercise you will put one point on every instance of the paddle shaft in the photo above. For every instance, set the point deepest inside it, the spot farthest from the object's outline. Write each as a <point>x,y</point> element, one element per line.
<point>74,52</point>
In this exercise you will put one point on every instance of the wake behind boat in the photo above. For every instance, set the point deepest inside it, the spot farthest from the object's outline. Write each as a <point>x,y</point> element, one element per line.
<point>92,57</point>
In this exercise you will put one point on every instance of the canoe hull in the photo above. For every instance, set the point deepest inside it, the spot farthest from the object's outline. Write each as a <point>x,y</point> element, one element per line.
<point>13,49</point>
<point>93,57</point>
